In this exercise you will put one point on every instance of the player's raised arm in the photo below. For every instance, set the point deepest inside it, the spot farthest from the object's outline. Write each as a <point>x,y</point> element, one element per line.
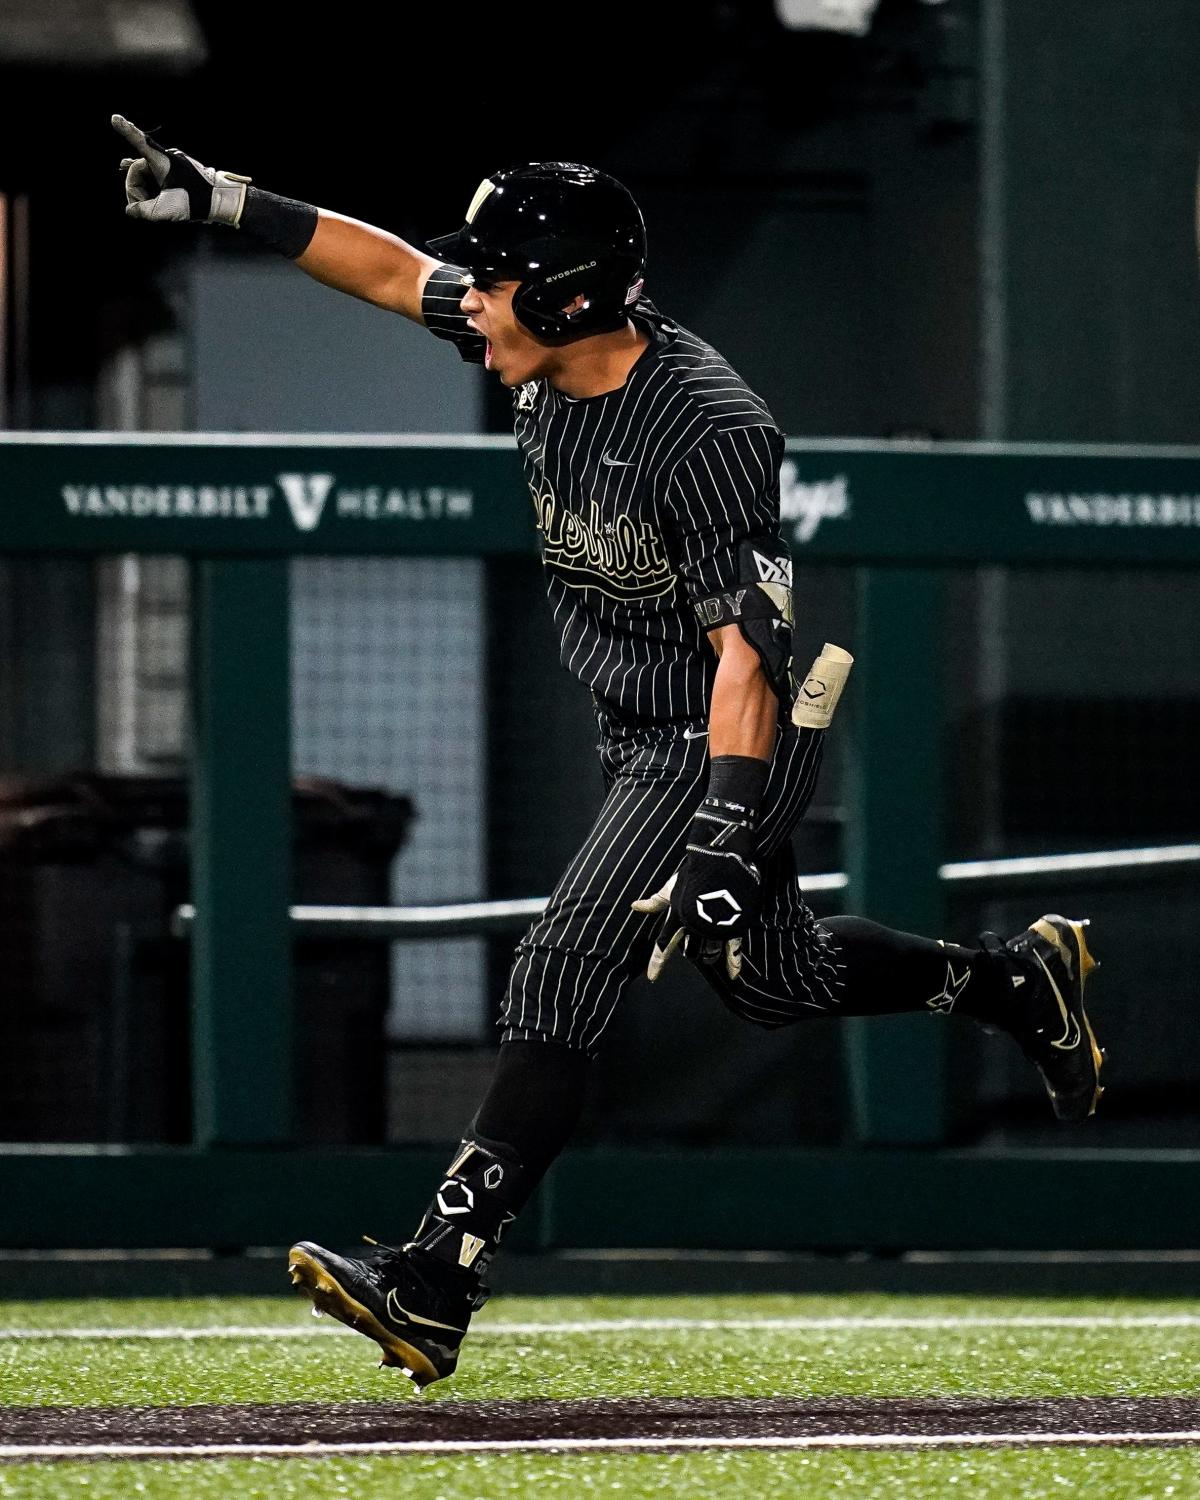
<point>367,262</point>
<point>164,185</point>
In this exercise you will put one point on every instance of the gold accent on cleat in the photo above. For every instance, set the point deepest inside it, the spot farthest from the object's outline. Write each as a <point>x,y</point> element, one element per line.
<point>1046,929</point>
<point>1087,964</point>
<point>331,1297</point>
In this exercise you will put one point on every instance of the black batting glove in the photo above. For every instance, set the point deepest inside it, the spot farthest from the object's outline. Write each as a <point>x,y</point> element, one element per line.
<point>716,894</point>
<point>165,185</point>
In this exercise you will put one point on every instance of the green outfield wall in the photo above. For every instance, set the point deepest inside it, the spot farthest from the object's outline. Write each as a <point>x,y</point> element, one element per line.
<point>241,506</point>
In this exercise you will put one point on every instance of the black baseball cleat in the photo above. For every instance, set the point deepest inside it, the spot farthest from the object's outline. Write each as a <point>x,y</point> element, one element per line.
<point>1049,1020</point>
<point>416,1321</point>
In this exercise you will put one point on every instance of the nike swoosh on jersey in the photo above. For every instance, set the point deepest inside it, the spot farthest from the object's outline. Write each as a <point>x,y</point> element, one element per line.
<point>617,463</point>
<point>1070,1037</point>
<point>695,734</point>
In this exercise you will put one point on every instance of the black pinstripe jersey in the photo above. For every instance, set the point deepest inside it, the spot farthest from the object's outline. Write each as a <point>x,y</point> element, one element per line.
<point>642,497</point>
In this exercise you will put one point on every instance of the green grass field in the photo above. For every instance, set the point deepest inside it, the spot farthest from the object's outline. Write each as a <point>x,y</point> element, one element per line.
<point>271,1351</point>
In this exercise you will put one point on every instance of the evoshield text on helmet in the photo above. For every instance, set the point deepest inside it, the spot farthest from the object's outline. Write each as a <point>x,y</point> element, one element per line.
<point>562,231</point>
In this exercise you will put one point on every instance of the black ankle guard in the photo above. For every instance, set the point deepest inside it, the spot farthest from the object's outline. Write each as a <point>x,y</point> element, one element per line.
<point>463,1225</point>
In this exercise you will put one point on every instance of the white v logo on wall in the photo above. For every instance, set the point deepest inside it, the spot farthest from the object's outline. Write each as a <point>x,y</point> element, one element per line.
<point>306,495</point>
<point>806,505</point>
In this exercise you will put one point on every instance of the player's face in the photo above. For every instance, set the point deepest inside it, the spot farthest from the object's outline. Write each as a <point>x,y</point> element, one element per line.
<point>512,351</point>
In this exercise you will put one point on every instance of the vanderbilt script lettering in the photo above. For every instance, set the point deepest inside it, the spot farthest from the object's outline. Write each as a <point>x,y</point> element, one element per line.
<point>622,558</point>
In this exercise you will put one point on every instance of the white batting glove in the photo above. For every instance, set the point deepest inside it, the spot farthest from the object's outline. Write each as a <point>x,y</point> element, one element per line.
<point>167,186</point>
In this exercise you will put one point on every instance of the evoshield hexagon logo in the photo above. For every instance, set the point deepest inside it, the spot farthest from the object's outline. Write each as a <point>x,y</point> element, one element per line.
<point>719,908</point>
<point>452,1188</point>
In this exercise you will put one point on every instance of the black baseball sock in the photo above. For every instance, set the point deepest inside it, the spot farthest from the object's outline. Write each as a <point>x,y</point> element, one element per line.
<point>534,1102</point>
<point>884,972</point>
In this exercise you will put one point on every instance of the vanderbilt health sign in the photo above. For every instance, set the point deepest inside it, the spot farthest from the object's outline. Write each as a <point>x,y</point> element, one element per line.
<point>854,502</point>
<point>218,496</point>
<point>307,496</point>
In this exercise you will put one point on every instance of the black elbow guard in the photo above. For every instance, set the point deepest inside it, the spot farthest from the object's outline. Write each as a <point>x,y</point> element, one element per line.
<point>760,605</point>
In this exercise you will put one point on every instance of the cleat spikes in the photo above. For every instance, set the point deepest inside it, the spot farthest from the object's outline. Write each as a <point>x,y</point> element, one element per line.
<point>316,1311</point>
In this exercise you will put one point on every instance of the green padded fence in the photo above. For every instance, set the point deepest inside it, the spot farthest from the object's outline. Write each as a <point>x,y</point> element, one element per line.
<point>240,506</point>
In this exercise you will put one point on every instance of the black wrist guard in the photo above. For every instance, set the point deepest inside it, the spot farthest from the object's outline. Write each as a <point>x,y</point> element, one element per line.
<point>738,781</point>
<point>282,224</point>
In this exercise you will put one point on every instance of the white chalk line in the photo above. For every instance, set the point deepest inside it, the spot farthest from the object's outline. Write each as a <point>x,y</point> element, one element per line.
<point>882,1324</point>
<point>39,1451</point>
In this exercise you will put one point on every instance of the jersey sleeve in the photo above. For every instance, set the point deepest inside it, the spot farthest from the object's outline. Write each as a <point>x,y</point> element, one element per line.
<point>725,492</point>
<point>443,316</point>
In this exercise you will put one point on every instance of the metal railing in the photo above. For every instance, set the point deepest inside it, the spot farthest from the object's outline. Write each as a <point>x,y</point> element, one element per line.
<point>482,918</point>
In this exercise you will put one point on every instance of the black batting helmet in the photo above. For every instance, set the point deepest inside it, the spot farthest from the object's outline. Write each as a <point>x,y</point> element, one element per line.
<point>561,230</point>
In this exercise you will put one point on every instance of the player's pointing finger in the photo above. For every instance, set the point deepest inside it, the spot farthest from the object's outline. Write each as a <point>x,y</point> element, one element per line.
<point>143,145</point>
<point>128,131</point>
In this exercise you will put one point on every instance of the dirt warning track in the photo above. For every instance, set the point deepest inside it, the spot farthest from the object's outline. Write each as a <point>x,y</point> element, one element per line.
<point>450,1426</point>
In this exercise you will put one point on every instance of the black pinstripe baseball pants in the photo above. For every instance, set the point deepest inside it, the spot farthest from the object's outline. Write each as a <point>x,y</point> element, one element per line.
<point>573,965</point>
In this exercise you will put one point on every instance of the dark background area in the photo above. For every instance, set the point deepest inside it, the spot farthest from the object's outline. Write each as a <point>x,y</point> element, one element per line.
<point>976,220</point>
<point>810,197</point>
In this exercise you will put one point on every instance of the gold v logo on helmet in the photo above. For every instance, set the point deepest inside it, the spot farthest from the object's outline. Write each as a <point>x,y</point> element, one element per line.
<point>485,187</point>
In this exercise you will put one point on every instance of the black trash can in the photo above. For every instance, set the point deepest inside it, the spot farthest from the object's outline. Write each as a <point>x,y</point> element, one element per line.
<point>94,998</point>
<point>345,841</point>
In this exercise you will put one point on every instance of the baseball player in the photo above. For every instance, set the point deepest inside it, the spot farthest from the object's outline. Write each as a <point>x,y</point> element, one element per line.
<point>654,473</point>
